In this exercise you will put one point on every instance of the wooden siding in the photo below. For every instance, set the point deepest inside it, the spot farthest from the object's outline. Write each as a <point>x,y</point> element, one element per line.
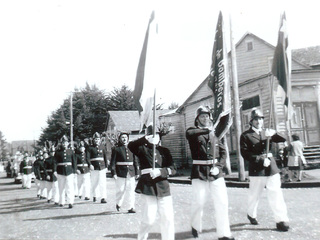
<point>174,140</point>
<point>255,63</point>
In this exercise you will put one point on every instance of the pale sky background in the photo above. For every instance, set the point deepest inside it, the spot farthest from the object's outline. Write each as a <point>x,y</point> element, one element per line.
<point>47,48</point>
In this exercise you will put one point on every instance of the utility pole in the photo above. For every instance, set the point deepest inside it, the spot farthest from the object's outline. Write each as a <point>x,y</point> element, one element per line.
<point>71,121</point>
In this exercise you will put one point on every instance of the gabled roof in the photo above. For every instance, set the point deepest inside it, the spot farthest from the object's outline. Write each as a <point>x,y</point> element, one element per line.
<point>293,58</point>
<point>237,44</point>
<point>129,120</point>
<point>309,55</point>
<point>125,120</point>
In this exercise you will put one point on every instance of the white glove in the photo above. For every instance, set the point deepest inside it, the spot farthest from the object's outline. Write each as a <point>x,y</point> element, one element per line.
<point>270,132</point>
<point>155,173</point>
<point>214,171</point>
<point>55,173</point>
<point>266,162</point>
<point>115,177</point>
<point>48,178</point>
<point>153,140</point>
<point>91,167</point>
<point>78,172</point>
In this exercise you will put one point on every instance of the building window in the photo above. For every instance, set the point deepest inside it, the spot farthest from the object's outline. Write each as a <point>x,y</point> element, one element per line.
<point>249,46</point>
<point>251,102</point>
<point>247,105</point>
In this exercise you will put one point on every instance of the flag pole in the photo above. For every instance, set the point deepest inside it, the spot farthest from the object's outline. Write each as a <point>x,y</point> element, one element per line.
<point>270,112</point>
<point>154,130</point>
<point>236,103</point>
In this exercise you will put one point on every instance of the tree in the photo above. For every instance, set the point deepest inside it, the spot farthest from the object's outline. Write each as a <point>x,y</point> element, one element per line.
<point>120,99</point>
<point>89,114</point>
<point>173,105</point>
<point>3,147</point>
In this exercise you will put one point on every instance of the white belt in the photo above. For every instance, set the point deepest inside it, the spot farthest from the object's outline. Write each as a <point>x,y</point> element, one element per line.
<point>96,159</point>
<point>49,170</point>
<point>83,165</point>
<point>64,164</point>
<point>125,163</point>
<point>146,171</point>
<point>27,167</point>
<point>204,162</point>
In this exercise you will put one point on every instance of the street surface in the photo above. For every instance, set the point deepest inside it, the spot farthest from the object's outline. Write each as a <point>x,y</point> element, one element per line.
<point>23,216</point>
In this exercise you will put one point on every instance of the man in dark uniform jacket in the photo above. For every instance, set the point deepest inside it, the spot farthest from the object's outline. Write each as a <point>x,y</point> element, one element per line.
<point>207,174</point>
<point>26,170</point>
<point>52,183</point>
<point>83,171</point>
<point>124,169</point>
<point>97,155</point>
<point>153,184</point>
<point>263,170</point>
<point>40,174</point>
<point>66,167</point>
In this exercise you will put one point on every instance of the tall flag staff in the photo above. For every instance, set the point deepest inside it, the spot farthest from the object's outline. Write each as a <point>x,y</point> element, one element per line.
<point>219,83</point>
<point>236,104</point>
<point>143,103</point>
<point>281,68</point>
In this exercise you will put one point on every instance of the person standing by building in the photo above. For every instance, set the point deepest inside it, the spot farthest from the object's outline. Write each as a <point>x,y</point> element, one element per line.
<point>296,158</point>
<point>153,184</point>
<point>52,183</point>
<point>83,172</point>
<point>26,170</point>
<point>124,169</point>
<point>207,174</point>
<point>66,167</point>
<point>97,155</point>
<point>263,170</point>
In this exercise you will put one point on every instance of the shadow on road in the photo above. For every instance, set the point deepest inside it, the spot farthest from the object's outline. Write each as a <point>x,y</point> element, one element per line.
<point>240,227</point>
<point>75,216</point>
<point>178,236</point>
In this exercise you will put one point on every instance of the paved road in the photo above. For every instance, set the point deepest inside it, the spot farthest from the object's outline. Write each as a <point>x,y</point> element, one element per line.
<point>23,216</point>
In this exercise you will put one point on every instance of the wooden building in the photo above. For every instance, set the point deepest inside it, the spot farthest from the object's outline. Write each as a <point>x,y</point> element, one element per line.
<point>254,60</point>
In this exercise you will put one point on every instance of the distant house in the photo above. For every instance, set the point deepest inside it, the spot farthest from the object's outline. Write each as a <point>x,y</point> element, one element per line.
<point>254,60</point>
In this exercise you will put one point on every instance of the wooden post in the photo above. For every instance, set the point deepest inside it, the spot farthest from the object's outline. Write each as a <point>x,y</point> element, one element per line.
<point>236,107</point>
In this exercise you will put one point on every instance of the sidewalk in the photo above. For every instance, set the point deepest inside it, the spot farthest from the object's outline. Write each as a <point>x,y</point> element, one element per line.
<point>310,179</point>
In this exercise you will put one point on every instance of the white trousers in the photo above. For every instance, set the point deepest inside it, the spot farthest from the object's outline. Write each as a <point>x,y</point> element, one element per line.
<point>26,180</point>
<point>217,191</point>
<point>65,184</point>
<point>43,188</point>
<point>84,185</point>
<point>125,189</point>
<point>274,193</point>
<point>75,184</point>
<point>150,206</point>
<point>53,191</point>
<point>99,183</point>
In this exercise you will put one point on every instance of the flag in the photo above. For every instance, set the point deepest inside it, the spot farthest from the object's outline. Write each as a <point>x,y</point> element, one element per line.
<point>281,66</point>
<point>144,104</point>
<point>219,83</point>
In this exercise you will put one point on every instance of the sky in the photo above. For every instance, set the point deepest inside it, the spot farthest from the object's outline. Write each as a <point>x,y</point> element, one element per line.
<point>49,48</point>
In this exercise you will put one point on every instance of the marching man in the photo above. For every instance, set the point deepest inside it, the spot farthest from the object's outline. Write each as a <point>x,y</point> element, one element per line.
<point>26,170</point>
<point>153,185</point>
<point>124,168</point>
<point>52,183</point>
<point>40,174</point>
<point>207,174</point>
<point>66,167</point>
<point>83,172</point>
<point>97,155</point>
<point>263,170</point>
